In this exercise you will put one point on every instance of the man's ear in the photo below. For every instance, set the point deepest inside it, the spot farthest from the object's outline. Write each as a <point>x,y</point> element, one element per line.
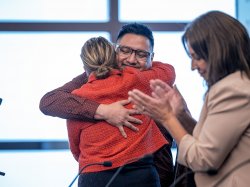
<point>152,57</point>
<point>150,61</point>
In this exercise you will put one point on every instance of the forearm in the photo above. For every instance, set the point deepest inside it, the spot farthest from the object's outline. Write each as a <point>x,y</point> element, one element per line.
<point>187,121</point>
<point>165,133</point>
<point>175,128</point>
<point>67,106</point>
<point>61,103</point>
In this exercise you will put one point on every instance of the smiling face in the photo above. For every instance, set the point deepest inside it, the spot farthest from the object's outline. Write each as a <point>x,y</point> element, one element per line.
<point>197,63</point>
<point>139,44</point>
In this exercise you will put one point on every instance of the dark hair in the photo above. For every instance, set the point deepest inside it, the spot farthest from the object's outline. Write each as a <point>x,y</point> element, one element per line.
<point>222,41</point>
<point>98,56</point>
<point>139,29</point>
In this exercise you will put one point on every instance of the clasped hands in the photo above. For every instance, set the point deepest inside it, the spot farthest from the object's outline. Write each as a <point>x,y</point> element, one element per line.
<point>164,103</point>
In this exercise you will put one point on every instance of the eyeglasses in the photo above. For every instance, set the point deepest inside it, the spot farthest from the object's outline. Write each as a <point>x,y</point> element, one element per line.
<point>127,51</point>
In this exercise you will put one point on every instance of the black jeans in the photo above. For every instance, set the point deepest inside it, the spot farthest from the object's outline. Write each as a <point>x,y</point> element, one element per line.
<point>137,174</point>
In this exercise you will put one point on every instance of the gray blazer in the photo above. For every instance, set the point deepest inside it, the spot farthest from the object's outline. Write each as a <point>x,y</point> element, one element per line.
<point>221,138</point>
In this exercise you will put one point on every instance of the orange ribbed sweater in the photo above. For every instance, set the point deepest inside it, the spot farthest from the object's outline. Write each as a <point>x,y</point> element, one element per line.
<point>99,141</point>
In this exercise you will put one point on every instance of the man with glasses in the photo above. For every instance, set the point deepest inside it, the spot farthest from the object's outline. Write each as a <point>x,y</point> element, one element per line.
<point>140,55</point>
<point>134,48</point>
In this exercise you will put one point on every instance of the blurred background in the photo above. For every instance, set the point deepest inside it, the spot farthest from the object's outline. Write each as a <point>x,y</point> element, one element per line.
<point>40,43</point>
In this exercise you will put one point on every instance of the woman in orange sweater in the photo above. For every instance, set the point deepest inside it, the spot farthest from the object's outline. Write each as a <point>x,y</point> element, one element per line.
<point>92,142</point>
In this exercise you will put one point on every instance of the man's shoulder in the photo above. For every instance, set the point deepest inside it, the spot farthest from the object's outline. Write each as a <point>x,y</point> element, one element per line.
<point>163,64</point>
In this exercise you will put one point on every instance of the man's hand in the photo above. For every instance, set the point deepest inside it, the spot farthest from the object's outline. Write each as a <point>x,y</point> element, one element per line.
<point>117,115</point>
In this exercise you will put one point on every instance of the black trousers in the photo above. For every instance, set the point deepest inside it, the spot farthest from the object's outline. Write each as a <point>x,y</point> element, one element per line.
<point>137,174</point>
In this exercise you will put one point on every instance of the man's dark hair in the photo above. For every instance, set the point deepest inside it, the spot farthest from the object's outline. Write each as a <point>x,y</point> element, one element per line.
<point>136,28</point>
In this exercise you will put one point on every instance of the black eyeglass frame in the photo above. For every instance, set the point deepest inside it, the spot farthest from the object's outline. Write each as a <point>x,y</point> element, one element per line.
<point>136,51</point>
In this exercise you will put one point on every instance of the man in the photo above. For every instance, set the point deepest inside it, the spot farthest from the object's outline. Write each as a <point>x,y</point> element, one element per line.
<point>134,40</point>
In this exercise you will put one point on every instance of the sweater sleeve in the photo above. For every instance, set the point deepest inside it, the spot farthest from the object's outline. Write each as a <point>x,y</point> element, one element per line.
<point>61,103</point>
<point>162,71</point>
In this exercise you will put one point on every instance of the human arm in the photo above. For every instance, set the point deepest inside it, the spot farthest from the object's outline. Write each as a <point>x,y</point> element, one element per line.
<point>166,73</point>
<point>162,71</point>
<point>159,107</point>
<point>62,103</point>
<point>226,108</point>
<point>223,128</point>
<point>179,105</point>
<point>117,115</point>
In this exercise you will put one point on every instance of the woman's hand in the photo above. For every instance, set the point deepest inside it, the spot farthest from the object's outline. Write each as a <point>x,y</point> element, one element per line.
<point>158,106</point>
<point>164,105</point>
<point>176,100</point>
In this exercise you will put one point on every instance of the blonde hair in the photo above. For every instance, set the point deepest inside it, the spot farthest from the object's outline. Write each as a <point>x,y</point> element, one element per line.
<point>98,56</point>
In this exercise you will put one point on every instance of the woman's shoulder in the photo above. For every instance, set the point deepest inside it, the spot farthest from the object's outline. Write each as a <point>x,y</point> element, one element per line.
<point>235,86</point>
<point>235,81</point>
